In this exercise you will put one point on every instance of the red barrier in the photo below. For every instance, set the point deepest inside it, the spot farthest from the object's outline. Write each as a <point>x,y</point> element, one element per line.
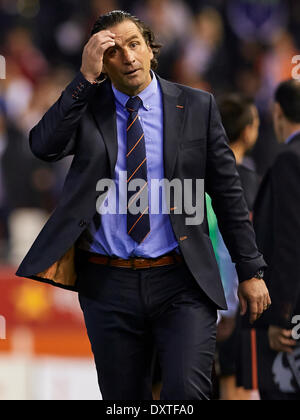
<point>46,319</point>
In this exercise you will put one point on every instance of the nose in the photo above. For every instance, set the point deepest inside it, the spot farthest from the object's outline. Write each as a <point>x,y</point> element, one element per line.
<point>128,56</point>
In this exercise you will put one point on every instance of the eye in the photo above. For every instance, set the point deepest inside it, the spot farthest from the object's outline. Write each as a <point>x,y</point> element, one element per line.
<point>134,44</point>
<point>112,51</point>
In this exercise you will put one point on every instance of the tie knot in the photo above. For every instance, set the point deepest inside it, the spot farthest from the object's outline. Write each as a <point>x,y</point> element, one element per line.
<point>134,104</point>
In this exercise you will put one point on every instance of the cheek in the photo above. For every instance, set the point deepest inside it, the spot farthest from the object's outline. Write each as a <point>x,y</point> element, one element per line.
<point>147,60</point>
<point>111,68</point>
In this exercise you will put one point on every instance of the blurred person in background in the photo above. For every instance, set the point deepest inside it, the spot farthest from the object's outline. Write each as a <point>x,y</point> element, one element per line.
<point>79,250</point>
<point>26,65</point>
<point>274,367</point>
<point>3,200</point>
<point>275,65</point>
<point>241,122</point>
<point>264,48</point>
<point>204,60</point>
<point>171,21</point>
<point>30,186</point>
<point>27,190</point>
<point>19,48</point>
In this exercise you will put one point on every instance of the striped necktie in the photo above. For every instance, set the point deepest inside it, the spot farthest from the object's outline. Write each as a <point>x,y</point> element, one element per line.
<point>138,225</point>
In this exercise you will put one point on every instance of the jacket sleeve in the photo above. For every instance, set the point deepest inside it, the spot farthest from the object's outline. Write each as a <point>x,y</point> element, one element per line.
<point>224,186</point>
<point>54,137</point>
<point>283,274</point>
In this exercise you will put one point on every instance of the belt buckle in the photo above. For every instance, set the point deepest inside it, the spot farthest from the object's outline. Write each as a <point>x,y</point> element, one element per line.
<point>133,266</point>
<point>133,263</point>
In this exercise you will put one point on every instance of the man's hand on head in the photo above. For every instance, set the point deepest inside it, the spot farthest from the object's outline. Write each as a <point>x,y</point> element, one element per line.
<point>254,293</point>
<point>93,53</point>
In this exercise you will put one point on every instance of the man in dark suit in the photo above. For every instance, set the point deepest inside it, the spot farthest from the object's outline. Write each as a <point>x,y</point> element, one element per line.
<point>241,122</point>
<point>277,225</point>
<point>142,278</point>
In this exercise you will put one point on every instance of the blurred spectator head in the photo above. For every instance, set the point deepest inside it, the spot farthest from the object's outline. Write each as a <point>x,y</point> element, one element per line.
<point>170,19</point>
<point>118,16</point>
<point>286,114</point>
<point>240,119</point>
<point>202,58</point>
<point>18,39</point>
<point>209,27</point>
<point>19,48</point>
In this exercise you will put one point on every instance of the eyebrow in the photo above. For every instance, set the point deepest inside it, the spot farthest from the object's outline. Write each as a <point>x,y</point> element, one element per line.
<point>127,40</point>
<point>132,37</point>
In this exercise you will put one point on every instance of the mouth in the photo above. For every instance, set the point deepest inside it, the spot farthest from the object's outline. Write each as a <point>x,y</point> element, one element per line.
<point>132,72</point>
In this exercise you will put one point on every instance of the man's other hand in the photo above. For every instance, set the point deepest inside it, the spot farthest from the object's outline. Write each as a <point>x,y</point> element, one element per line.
<point>254,293</point>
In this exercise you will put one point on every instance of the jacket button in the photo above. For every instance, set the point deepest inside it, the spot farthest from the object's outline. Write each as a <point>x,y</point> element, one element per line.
<point>82,223</point>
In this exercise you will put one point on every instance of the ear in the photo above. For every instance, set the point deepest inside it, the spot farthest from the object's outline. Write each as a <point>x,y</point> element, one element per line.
<point>277,111</point>
<point>150,51</point>
<point>245,135</point>
<point>248,137</point>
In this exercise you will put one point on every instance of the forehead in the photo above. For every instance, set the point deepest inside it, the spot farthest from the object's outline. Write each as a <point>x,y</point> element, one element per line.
<point>125,30</point>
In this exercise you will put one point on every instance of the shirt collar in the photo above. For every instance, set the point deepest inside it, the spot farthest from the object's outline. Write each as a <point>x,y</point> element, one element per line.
<point>292,136</point>
<point>147,95</point>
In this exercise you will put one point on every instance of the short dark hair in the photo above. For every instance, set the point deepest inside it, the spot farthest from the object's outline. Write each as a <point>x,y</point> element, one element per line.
<point>288,96</point>
<point>118,16</point>
<point>236,115</point>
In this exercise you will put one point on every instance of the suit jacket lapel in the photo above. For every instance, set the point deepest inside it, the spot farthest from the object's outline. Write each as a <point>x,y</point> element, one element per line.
<point>103,109</point>
<point>175,108</point>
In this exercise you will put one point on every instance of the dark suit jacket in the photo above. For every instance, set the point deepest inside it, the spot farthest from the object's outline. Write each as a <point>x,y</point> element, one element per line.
<point>250,184</point>
<point>277,225</point>
<point>83,123</point>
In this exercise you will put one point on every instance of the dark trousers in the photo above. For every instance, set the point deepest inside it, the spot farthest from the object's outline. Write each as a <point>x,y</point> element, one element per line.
<point>128,312</point>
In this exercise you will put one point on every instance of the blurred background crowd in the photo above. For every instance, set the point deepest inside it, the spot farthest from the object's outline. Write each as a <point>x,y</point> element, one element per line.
<point>221,46</point>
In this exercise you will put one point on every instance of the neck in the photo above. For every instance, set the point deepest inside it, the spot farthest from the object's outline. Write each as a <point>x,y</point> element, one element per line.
<point>238,151</point>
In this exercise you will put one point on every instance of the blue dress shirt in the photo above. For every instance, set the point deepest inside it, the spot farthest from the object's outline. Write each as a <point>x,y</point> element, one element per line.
<point>112,238</point>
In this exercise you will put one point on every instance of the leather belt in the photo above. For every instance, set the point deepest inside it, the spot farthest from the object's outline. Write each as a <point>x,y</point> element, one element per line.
<point>136,263</point>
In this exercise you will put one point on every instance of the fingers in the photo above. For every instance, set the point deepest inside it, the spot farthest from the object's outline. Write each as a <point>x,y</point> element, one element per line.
<point>286,338</point>
<point>256,294</point>
<point>282,342</point>
<point>243,305</point>
<point>287,342</point>
<point>282,349</point>
<point>267,302</point>
<point>102,36</point>
<point>258,307</point>
<point>99,44</point>
<point>255,313</point>
<point>92,58</point>
<point>104,47</point>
